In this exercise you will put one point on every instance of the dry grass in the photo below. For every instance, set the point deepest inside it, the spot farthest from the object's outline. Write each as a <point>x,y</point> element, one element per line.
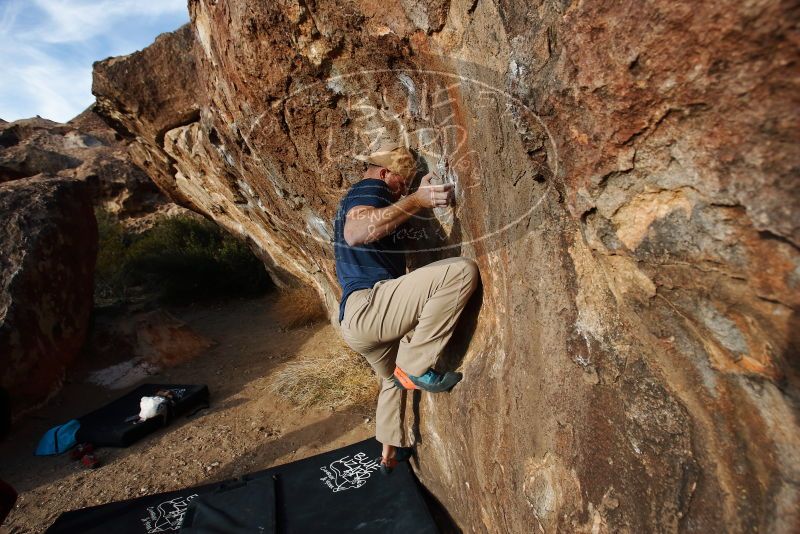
<point>300,307</point>
<point>342,378</point>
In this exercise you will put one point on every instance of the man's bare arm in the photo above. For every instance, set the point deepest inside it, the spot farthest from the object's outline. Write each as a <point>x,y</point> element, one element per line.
<point>365,224</point>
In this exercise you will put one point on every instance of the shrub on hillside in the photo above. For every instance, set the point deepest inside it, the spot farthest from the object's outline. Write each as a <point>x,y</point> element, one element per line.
<point>300,307</point>
<point>180,258</point>
<point>338,379</point>
<point>109,278</point>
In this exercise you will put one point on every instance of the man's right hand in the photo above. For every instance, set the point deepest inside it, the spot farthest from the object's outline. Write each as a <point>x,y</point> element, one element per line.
<point>430,195</point>
<point>365,224</point>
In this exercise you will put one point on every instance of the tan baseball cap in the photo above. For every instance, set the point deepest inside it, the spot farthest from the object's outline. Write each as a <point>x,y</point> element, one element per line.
<point>394,157</point>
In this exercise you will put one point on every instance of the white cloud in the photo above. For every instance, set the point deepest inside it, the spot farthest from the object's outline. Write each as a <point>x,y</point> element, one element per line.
<point>53,89</point>
<point>47,48</point>
<point>8,17</point>
<point>81,20</point>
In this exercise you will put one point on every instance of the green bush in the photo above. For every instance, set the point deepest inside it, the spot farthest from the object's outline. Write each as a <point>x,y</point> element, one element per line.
<point>109,279</point>
<point>179,259</point>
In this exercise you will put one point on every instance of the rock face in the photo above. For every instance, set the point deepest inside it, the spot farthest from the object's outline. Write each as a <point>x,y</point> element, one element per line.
<point>86,148</point>
<point>139,343</point>
<point>627,182</point>
<point>51,176</point>
<point>47,253</point>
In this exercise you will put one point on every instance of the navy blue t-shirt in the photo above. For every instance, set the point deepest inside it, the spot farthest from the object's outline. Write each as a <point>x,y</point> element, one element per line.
<point>362,266</point>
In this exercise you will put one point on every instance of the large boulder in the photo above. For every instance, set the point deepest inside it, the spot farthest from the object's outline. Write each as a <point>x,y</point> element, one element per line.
<point>88,149</point>
<point>626,181</point>
<point>47,253</point>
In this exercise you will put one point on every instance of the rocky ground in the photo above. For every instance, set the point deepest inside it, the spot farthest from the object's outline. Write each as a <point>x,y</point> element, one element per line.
<point>246,428</point>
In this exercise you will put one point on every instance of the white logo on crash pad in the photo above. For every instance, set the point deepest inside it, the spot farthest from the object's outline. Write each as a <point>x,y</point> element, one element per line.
<point>349,473</point>
<point>167,516</point>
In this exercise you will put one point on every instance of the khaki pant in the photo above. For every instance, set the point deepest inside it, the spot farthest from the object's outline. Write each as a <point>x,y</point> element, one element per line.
<point>406,322</point>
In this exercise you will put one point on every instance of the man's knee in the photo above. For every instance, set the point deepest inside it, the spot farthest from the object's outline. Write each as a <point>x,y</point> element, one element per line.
<point>470,271</point>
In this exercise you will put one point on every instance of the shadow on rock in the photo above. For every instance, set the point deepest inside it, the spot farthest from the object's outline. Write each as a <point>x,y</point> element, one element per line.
<point>453,354</point>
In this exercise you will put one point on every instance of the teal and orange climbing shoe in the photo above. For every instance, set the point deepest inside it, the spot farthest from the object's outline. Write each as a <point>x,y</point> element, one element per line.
<point>431,381</point>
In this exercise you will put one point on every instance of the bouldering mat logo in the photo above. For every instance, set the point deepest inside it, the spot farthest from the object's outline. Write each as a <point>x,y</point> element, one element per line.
<point>348,472</point>
<point>168,515</point>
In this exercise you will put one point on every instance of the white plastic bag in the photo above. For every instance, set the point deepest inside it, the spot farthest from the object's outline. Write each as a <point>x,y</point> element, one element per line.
<point>150,407</point>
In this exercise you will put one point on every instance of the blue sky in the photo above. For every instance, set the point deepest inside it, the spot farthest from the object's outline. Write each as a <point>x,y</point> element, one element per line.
<point>47,48</point>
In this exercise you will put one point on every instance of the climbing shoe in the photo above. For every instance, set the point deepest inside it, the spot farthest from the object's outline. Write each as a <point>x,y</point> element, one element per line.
<point>431,381</point>
<point>401,455</point>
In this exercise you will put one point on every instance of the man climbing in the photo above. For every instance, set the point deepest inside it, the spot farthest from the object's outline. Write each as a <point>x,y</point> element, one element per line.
<point>399,322</point>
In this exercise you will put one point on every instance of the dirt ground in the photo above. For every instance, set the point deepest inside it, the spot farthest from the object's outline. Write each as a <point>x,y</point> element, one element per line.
<point>246,428</point>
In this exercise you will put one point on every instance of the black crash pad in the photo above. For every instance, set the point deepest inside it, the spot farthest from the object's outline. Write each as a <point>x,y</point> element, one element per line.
<point>240,507</point>
<point>116,424</point>
<point>337,492</point>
